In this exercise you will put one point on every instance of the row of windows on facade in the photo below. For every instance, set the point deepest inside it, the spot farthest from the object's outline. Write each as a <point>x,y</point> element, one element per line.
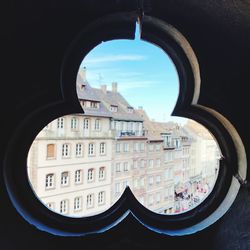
<point>140,147</point>
<point>78,177</point>
<point>74,123</point>
<point>96,105</point>
<point>118,125</point>
<point>66,149</point>
<point>150,163</point>
<point>170,142</point>
<point>51,148</point>
<point>137,163</point>
<point>91,151</point>
<point>140,181</point>
<point>156,197</point>
<point>137,146</point>
<point>78,203</point>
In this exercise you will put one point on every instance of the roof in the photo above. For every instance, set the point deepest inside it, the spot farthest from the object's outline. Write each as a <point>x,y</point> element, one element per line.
<point>197,130</point>
<point>85,93</point>
<point>109,98</point>
<point>154,130</point>
<point>106,99</point>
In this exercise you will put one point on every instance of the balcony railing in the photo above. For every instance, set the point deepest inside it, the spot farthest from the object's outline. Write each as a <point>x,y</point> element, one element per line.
<point>122,133</point>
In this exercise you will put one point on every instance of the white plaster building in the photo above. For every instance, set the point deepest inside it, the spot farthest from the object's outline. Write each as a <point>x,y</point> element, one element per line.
<point>69,168</point>
<point>80,164</point>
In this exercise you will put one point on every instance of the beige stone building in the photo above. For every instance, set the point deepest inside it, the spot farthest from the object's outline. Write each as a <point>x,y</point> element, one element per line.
<point>80,164</point>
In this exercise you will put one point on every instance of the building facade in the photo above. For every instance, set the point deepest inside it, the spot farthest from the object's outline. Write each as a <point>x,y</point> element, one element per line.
<point>80,164</point>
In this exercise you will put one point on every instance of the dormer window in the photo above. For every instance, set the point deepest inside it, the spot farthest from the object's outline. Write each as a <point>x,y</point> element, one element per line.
<point>83,103</point>
<point>94,105</point>
<point>113,108</point>
<point>130,109</point>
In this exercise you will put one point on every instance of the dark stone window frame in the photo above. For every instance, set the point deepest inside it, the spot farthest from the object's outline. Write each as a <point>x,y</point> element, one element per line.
<point>232,171</point>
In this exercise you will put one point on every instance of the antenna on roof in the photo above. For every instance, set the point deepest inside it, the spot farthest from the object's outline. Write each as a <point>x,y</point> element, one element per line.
<point>100,78</point>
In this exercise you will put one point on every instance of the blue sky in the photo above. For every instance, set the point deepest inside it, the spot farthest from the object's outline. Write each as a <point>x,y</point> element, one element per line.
<point>145,75</point>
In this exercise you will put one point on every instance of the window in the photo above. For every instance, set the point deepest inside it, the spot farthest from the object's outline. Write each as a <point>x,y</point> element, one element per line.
<point>64,207</point>
<point>79,149</point>
<point>125,166</point>
<point>168,156</point>
<point>65,179</point>
<point>158,179</point>
<point>78,176</point>
<point>135,164</point>
<point>124,126</point>
<point>142,146</point>
<point>151,180</point>
<point>90,176</point>
<point>136,146</point>
<point>142,181</point>
<point>90,200</point>
<point>101,198</point>
<point>113,108</point>
<point>158,197</point>
<point>168,174</point>
<point>177,142</point>
<point>130,109</point>
<point>158,147</point>
<point>74,123</point>
<point>169,193</point>
<point>77,203</point>
<point>101,173</point>
<point>91,148</point>
<point>65,150</point>
<point>126,147</point>
<point>86,123</point>
<point>51,151</point>
<point>102,148</point>
<point>167,140</point>
<point>117,188</point>
<point>94,105</point>
<point>117,125</point>
<point>60,122</point>
<point>83,103</point>
<point>51,205</point>
<point>97,124</point>
<point>49,181</point>
<point>158,162</point>
<point>118,147</point>
<point>151,163</point>
<point>118,167</point>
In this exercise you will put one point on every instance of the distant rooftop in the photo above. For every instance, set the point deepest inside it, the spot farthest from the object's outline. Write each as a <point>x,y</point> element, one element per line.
<point>106,99</point>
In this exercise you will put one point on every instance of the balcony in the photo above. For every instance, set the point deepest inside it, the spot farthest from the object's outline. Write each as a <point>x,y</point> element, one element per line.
<point>128,133</point>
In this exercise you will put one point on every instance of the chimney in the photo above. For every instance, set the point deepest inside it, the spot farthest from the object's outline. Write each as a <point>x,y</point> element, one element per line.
<point>114,87</point>
<point>82,73</point>
<point>104,88</point>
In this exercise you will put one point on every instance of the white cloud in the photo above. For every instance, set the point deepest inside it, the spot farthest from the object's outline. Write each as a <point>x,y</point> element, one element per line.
<point>126,80</point>
<point>101,75</point>
<point>114,58</point>
<point>124,86</point>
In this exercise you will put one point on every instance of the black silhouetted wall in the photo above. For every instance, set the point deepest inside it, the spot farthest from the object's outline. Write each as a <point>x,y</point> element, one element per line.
<point>219,33</point>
